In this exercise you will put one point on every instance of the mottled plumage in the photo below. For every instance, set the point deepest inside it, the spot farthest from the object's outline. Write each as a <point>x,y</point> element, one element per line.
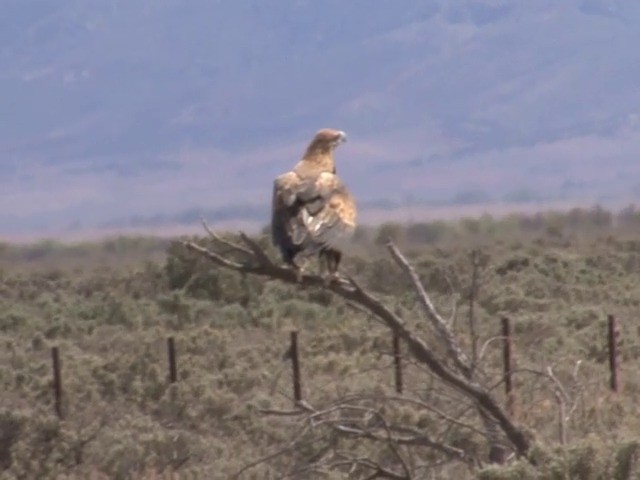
<point>312,210</point>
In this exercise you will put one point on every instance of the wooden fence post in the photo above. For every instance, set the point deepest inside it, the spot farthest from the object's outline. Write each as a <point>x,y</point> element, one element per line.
<point>295,362</point>
<point>57,382</point>
<point>613,351</point>
<point>507,357</point>
<point>397,361</point>
<point>171,351</point>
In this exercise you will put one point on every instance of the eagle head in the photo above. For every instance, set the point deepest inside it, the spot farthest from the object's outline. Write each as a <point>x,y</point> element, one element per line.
<point>327,139</point>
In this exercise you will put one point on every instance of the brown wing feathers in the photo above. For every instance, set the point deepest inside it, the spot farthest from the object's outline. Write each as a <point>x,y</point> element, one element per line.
<point>335,219</point>
<point>312,209</point>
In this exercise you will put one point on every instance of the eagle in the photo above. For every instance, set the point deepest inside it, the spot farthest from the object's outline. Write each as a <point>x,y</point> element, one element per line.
<point>313,212</point>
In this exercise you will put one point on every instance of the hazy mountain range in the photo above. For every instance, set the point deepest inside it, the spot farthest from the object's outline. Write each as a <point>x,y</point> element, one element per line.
<point>148,111</point>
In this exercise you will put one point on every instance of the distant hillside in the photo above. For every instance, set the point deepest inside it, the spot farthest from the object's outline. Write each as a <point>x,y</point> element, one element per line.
<point>119,109</point>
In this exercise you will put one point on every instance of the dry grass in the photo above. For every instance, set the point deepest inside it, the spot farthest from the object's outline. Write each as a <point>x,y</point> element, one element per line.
<point>110,307</point>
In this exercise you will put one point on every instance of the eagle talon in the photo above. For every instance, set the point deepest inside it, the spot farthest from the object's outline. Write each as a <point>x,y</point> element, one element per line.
<point>299,272</point>
<point>339,278</point>
<point>330,279</point>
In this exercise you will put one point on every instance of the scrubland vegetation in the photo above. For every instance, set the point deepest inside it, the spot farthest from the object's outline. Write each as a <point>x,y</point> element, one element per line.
<point>110,306</point>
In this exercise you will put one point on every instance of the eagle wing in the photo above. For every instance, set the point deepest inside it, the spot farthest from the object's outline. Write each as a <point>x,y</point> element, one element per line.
<point>311,213</point>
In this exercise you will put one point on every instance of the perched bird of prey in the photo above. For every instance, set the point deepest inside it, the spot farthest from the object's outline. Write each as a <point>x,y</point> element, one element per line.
<point>313,212</point>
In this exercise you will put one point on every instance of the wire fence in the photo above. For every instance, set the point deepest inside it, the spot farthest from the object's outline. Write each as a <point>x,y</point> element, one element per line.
<point>293,354</point>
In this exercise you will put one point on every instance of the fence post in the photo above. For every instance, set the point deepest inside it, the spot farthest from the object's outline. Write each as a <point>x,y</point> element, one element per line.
<point>295,362</point>
<point>613,352</point>
<point>507,356</point>
<point>171,351</point>
<point>397,361</point>
<point>57,382</point>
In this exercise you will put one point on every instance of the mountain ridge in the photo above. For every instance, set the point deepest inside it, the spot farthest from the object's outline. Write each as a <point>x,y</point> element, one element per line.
<point>122,109</point>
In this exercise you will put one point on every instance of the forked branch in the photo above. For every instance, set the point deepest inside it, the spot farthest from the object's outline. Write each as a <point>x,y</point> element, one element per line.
<point>258,263</point>
<point>439,323</point>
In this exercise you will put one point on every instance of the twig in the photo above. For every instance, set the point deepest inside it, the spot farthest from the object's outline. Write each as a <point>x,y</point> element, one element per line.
<point>219,239</point>
<point>414,440</point>
<point>378,470</point>
<point>290,446</point>
<point>485,345</point>
<point>456,354</point>
<point>216,258</point>
<point>411,437</point>
<point>257,250</point>
<point>282,413</point>
<point>454,301</point>
<point>557,383</point>
<point>472,302</point>
<point>561,398</point>
<point>441,414</point>
<point>391,443</point>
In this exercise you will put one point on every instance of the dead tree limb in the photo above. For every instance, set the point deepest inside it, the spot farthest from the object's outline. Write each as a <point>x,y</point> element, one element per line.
<point>440,325</point>
<point>231,245</point>
<point>473,292</point>
<point>467,367</point>
<point>378,470</point>
<point>258,263</point>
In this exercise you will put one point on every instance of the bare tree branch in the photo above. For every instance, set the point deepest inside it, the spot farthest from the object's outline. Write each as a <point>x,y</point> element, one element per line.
<point>472,303</point>
<point>440,325</point>
<point>378,470</point>
<point>380,431</point>
<point>350,290</point>
<point>465,366</point>
<point>261,256</point>
<point>485,345</point>
<point>292,445</point>
<point>231,245</point>
<point>438,412</point>
<point>217,258</point>
<point>282,413</point>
